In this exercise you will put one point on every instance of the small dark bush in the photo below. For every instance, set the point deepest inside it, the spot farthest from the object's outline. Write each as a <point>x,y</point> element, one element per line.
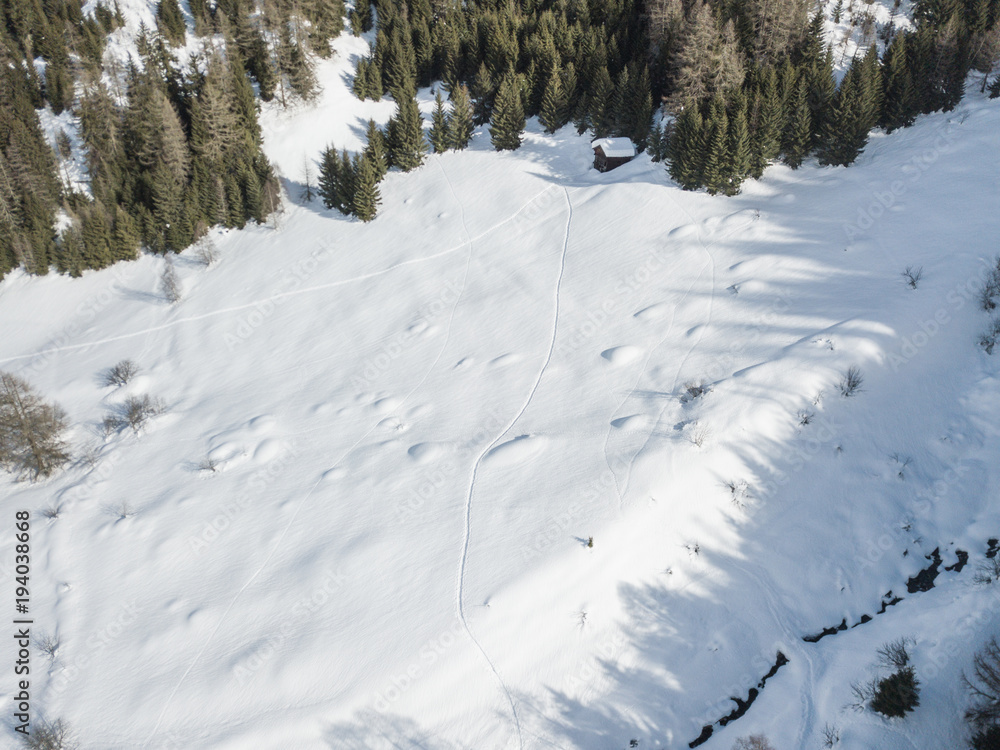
<point>50,736</point>
<point>851,382</point>
<point>897,694</point>
<point>121,373</point>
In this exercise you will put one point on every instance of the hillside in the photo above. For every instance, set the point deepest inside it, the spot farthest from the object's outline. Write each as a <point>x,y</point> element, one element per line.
<point>539,458</point>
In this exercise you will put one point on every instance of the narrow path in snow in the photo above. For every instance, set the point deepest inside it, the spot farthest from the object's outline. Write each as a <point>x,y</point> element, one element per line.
<point>460,595</point>
<point>470,243</point>
<point>283,295</point>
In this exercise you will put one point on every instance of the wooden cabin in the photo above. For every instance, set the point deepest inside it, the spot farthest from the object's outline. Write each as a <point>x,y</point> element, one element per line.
<point>612,152</point>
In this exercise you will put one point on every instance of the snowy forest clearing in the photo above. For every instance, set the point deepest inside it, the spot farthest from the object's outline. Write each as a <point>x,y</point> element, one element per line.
<point>363,518</point>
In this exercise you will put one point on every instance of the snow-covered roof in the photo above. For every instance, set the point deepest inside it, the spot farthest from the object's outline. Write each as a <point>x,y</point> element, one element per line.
<point>615,148</point>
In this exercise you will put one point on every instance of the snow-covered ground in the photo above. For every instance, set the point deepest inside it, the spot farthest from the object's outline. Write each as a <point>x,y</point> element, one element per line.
<point>417,427</point>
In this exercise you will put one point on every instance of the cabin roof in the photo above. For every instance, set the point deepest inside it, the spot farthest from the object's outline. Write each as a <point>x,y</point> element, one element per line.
<point>615,148</point>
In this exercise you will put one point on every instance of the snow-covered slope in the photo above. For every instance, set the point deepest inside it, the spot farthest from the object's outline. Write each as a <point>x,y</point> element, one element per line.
<point>417,425</point>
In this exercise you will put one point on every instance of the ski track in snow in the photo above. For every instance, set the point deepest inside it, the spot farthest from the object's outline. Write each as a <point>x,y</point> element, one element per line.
<point>283,295</point>
<point>460,594</point>
<point>470,243</point>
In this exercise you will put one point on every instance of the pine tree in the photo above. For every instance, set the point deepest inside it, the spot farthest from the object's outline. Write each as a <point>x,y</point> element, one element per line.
<point>483,92</point>
<point>899,110</point>
<point>555,104</point>
<point>601,96</point>
<point>376,151</point>
<point>405,136</point>
<point>738,146</point>
<point>460,124</point>
<point>798,131</point>
<point>507,123</point>
<point>125,243</point>
<point>170,22</point>
<point>329,178</point>
<point>686,148</point>
<point>769,119</point>
<point>366,197</point>
<point>438,133</point>
<point>715,175</point>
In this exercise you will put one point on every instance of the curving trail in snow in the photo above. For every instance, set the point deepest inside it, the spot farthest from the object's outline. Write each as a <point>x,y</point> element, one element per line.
<point>460,594</point>
<point>291,293</point>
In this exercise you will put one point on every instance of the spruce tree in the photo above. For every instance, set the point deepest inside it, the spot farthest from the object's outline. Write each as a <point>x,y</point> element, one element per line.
<point>376,151</point>
<point>769,118</point>
<point>366,197</point>
<point>555,104</point>
<point>405,136</point>
<point>460,124</point>
<point>686,148</point>
<point>798,131</point>
<point>438,133</point>
<point>329,178</point>
<point>507,123</point>
<point>170,22</point>
<point>483,92</point>
<point>899,109</point>
<point>715,176</point>
<point>738,146</point>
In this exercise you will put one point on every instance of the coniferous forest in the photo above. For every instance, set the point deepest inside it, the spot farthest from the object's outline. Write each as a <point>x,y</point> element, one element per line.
<point>174,146</point>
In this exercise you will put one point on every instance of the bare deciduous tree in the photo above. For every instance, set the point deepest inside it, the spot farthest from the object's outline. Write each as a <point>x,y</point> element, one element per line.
<point>31,430</point>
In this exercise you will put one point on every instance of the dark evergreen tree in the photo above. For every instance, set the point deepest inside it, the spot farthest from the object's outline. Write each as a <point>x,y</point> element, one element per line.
<point>438,133</point>
<point>686,148</point>
<point>366,199</point>
<point>507,123</point>
<point>376,152</point>
<point>460,124</point>
<point>797,136</point>
<point>555,104</point>
<point>405,136</point>
<point>170,22</point>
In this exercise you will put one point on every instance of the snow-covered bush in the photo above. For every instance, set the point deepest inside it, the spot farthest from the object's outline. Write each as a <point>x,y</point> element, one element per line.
<point>753,742</point>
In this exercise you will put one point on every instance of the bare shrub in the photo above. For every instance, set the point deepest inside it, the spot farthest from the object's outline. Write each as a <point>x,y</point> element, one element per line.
<point>694,390</point>
<point>208,464</point>
<point>805,418</point>
<point>987,572</point>
<point>121,373</point>
<point>831,735</point>
<point>984,687</point>
<point>988,339</point>
<point>121,511</point>
<point>31,443</point>
<point>53,735</point>
<point>990,290</point>
<point>52,512</point>
<point>895,654</point>
<point>862,692</point>
<point>753,742</point>
<point>699,434</point>
<point>739,491</point>
<point>170,285</point>
<point>913,275</point>
<point>135,412</point>
<point>47,644</point>
<point>850,384</point>
<point>206,252</point>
